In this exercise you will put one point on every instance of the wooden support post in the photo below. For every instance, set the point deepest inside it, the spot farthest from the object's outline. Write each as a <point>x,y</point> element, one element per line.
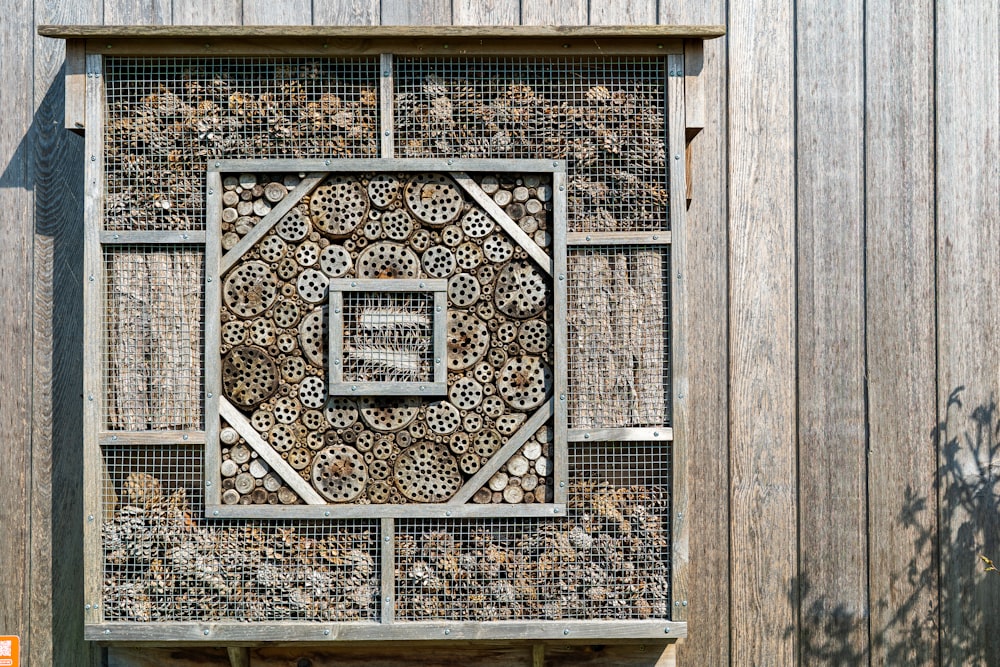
<point>76,85</point>
<point>239,656</point>
<point>538,655</point>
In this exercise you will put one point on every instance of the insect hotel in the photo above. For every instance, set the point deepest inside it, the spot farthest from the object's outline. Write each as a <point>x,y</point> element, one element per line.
<point>382,332</point>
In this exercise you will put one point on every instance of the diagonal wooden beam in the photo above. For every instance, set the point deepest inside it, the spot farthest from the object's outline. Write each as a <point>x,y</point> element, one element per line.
<point>476,482</point>
<point>269,220</point>
<point>504,220</point>
<point>236,419</point>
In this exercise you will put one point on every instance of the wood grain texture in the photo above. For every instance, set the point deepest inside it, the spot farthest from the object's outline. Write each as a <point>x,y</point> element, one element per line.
<point>968,301</point>
<point>346,12</point>
<point>486,12</point>
<point>269,12</point>
<point>198,12</point>
<point>416,12</point>
<point>762,334</point>
<point>128,12</point>
<point>549,12</point>
<point>16,252</point>
<point>832,580</point>
<point>614,12</point>
<point>899,158</point>
<point>707,516</point>
<point>56,502</point>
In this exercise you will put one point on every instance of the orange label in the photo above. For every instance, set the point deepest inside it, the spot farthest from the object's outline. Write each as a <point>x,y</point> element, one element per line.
<point>10,651</point>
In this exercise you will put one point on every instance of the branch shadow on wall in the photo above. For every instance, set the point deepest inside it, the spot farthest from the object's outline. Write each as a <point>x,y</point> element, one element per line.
<point>943,565</point>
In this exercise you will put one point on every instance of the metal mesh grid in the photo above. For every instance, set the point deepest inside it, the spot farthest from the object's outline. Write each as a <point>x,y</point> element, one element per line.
<point>166,117</point>
<point>609,558</point>
<point>388,337</point>
<point>164,562</point>
<point>618,331</point>
<point>154,309</point>
<point>604,115</point>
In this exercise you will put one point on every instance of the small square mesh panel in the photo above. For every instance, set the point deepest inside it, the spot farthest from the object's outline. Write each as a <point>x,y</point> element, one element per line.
<point>618,320</point>
<point>388,337</point>
<point>604,115</point>
<point>154,309</point>
<point>164,562</point>
<point>609,558</point>
<point>166,117</point>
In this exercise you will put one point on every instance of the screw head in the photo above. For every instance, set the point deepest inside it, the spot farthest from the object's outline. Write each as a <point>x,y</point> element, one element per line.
<point>447,632</point>
<point>326,632</point>
<point>204,632</point>
<point>90,517</point>
<point>566,631</point>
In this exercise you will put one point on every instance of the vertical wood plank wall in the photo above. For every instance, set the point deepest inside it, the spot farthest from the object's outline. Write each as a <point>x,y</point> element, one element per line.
<point>844,238</point>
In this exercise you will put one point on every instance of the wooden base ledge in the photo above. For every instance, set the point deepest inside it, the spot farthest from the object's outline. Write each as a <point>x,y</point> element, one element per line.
<point>296,633</point>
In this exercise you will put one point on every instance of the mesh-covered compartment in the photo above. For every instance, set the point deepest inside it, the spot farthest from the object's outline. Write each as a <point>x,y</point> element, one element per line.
<point>166,117</point>
<point>388,336</point>
<point>154,309</point>
<point>609,558</point>
<point>164,562</point>
<point>604,115</point>
<point>618,321</point>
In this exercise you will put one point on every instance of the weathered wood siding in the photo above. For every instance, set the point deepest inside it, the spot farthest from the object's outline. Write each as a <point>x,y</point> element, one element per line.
<point>844,240</point>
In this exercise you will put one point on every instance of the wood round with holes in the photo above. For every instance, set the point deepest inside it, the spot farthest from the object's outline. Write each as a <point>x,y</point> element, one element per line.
<point>341,412</point>
<point>379,491</point>
<point>442,417</point>
<point>426,472</point>
<point>234,333</point>
<point>293,369</point>
<point>468,340</point>
<point>287,410</point>
<point>486,443</point>
<point>286,314</point>
<point>312,392</point>
<point>312,337</point>
<point>249,376</point>
<point>463,290</point>
<point>438,261</point>
<point>339,473</point>
<point>261,332</point>
<point>272,249</point>
<point>535,336</point>
<point>282,437</point>
<point>476,224</point>
<point>388,414</point>
<point>521,290</point>
<point>397,225</point>
<point>307,253</point>
<point>250,289</point>
<point>299,458</point>
<point>379,469</point>
<point>497,249</point>
<point>293,226</point>
<point>387,260</point>
<point>468,255</point>
<point>524,382</point>
<point>466,393</point>
<point>383,189</point>
<point>433,199</point>
<point>338,206</point>
<point>335,261</point>
<point>312,285</point>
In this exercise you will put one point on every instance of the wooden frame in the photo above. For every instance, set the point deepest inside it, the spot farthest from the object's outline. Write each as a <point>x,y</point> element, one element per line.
<point>684,103</point>
<point>552,262</point>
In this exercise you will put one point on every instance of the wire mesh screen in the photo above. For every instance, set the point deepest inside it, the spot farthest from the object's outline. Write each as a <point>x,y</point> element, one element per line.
<point>388,337</point>
<point>154,309</point>
<point>164,562</point>
<point>618,331</point>
<point>166,117</point>
<point>609,558</point>
<point>604,115</point>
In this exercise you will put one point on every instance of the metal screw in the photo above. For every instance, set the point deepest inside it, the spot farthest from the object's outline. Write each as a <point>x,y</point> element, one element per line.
<point>354,388</point>
<point>588,237</point>
<point>566,631</point>
<point>327,163</point>
<point>327,513</point>
<point>210,394</point>
<point>90,397</point>
<point>205,632</point>
<point>445,46</point>
<point>215,513</point>
<point>184,437</point>
<point>336,310</point>
<point>680,515</point>
<point>586,436</point>
<point>115,237</point>
<point>209,279</point>
<point>451,162</point>
<point>561,188</point>
<point>438,360</point>
<point>677,604</point>
<point>107,632</point>
<point>90,517</point>
<point>114,437</point>
<point>666,631</point>
<point>387,538</point>
<point>91,278</point>
<point>185,236</point>
<point>353,284</point>
<point>562,485</point>
<point>684,603</point>
<point>86,606</point>
<point>208,46</point>
<point>555,164</point>
<point>437,309</point>
<point>680,394</point>
<point>421,285</point>
<point>208,483</point>
<point>218,164</point>
<point>448,513</point>
<point>562,397</point>
<point>326,632</point>
<point>386,72</point>
<point>555,510</point>
<point>677,157</point>
<point>387,133</point>
<point>336,362</point>
<point>326,45</point>
<point>97,606</point>
<point>656,434</point>
<point>108,46</point>
<point>562,277</point>
<point>678,275</point>
<point>447,632</point>
<point>421,387</point>
<point>656,237</point>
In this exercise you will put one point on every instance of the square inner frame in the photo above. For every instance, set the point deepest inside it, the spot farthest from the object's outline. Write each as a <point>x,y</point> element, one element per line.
<point>401,327</point>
